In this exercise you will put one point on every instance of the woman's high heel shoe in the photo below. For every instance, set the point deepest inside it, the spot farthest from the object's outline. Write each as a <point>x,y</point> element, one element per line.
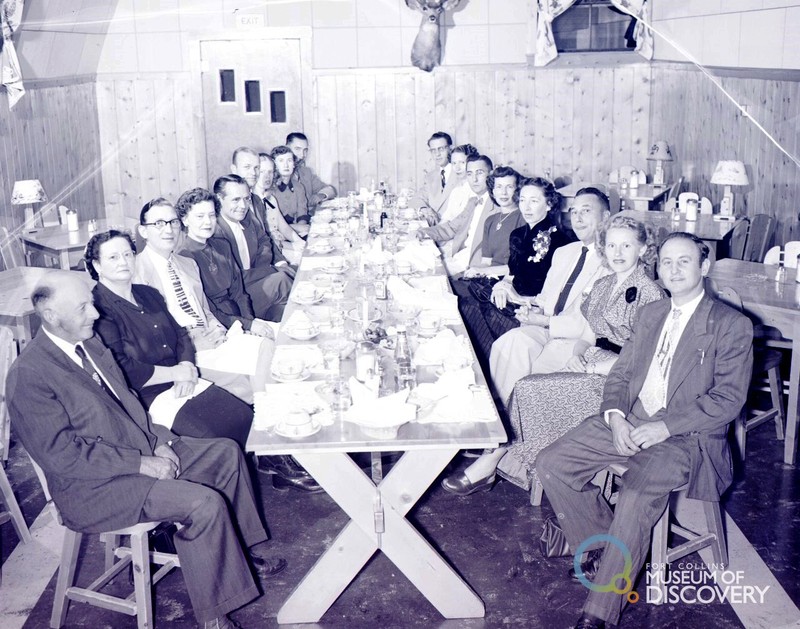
<point>460,485</point>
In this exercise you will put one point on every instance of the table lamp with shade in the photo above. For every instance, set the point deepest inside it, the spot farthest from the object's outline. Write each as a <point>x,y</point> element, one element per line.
<point>659,153</point>
<point>27,192</point>
<point>729,173</point>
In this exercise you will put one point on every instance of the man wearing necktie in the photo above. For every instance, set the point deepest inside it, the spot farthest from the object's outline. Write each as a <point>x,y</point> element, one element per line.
<point>463,233</point>
<point>544,340</point>
<point>679,382</point>
<point>439,181</point>
<point>108,466</point>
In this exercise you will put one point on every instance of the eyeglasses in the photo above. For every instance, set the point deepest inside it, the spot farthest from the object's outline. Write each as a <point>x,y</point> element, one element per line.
<point>175,223</point>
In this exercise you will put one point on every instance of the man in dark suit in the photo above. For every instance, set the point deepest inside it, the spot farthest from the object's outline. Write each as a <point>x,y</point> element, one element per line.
<point>679,381</point>
<point>267,275</point>
<point>108,466</point>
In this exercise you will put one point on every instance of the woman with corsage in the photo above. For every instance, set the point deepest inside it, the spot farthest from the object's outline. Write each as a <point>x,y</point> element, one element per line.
<point>491,310</point>
<point>546,406</point>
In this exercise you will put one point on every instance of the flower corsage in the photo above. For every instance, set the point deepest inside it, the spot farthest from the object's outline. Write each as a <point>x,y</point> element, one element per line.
<point>541,245</point>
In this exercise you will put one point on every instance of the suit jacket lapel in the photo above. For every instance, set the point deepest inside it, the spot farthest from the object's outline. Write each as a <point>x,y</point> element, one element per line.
<point>692,347</point>
<point>488,209</point>
<point>224,231</point>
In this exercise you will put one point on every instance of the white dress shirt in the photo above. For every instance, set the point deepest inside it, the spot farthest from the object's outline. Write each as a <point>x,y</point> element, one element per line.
<point>241,241</point>
<point>182,317</point>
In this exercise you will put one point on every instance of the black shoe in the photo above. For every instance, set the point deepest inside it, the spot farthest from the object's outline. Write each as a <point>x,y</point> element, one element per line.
<point>460,485</point>
<point>281,465</point>
<point>269,566</point>
<point>587,621</point>
<point>305,483</point>
<point>588,567</point>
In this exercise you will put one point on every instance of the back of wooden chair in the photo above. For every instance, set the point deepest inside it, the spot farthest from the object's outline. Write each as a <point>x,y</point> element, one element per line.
<point>11,250</point>
<point>758,237</point>
<point>738,239</point>
<point>787,254</point>
<point>8,352</point>
<point>675,190</point>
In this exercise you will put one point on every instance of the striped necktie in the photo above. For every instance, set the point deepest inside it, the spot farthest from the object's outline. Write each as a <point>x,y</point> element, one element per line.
<point>564,294</point>
<point>180,294</point>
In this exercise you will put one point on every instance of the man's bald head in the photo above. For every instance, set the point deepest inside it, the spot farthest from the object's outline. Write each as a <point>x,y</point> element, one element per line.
<point>63,301</point>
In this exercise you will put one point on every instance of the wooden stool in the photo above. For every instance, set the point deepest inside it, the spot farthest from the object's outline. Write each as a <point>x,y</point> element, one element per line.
<point>117,558</point>
<point>12,511</point>
<point>661,554</point>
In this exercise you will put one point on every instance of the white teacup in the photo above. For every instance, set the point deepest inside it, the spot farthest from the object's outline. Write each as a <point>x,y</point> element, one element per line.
<point>303,329</point>
<point>306,292</point>
<point>403,267</point>
<point>289,368</point>
<point>429,322</point>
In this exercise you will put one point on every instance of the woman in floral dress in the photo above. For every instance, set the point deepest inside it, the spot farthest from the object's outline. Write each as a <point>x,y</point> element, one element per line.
<point>546,406</point>
<point>489,311</point>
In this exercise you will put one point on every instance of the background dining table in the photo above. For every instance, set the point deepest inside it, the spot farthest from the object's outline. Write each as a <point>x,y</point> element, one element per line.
<point>58,242</point>
<point>773,302</point>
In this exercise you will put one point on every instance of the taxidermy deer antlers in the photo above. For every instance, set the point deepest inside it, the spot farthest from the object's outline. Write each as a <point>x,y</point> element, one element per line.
<point>426,53</point>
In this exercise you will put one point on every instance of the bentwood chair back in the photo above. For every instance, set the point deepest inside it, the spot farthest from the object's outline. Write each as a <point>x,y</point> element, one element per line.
<point>8,353</point>
<point>117,558</point>
<point>738,239</point>
<point>787,254</point>
<point>759,236</point>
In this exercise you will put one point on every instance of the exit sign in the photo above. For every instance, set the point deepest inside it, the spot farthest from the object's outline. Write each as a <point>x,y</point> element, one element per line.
<point>249,20</point>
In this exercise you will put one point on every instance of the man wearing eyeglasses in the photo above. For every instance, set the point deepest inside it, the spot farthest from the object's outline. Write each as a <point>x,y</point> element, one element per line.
<point>438,182</point>
<point>574,270</point>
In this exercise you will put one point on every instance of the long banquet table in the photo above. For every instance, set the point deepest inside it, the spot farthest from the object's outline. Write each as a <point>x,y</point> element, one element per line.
<point>774,303</point>
<point>377,506</point>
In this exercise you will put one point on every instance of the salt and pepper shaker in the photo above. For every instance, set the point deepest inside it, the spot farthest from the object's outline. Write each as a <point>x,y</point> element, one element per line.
<point>72,221</point>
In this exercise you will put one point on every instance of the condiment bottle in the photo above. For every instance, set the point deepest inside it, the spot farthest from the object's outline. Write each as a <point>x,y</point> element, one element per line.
<point>404,368</point>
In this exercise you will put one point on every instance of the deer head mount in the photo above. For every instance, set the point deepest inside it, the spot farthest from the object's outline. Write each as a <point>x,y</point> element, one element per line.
<point>426,53</point>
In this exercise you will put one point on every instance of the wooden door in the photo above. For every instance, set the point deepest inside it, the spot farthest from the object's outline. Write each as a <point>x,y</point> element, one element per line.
<point>252,96</point>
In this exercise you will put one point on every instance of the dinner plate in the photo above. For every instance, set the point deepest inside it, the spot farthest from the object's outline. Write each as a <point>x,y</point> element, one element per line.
<point>297,335</point>
<point>286,379</point>
<point>297,432</point>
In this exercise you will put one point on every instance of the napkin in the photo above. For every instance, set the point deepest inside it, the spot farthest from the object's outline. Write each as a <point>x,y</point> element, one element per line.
<point>298,320</point>
<point>454,398</point>
<point>444,305</point>
<point>238,354</point>
<point>421,255</point>
<point>311,355</point>
<point>378,412</point>
<point>274,404</point>
<point>447,347</point>
<point>165,406</point>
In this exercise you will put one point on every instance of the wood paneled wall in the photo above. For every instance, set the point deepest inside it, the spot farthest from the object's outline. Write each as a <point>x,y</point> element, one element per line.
<point>703,126</point>
<point>52,135</point>
<point>149,142</point>
<point>575,123</point>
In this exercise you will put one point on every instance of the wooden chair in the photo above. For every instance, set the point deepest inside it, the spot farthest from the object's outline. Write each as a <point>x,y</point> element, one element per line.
<point>11,250</point>
<point>737,239</point>
<point>765,361</point>
<point>672,196</point>
<point>12,513</point>
<point>660,551</point>
<point>787,254</point>
<point>8,353</point>
<point>117,558</point>
<point>758,237</point>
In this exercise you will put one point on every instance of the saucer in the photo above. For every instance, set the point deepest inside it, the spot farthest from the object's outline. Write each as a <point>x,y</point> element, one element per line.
<point>307,302</point>
<point>298,378</point>
<point>320,249</point>
<point>297,335</point>
<point>429,332</point>
<point>297,432</point>
<point>334,270</point>
<point>355,314</point>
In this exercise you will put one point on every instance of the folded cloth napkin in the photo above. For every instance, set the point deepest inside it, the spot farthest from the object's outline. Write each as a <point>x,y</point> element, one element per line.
<point>321,262</point>
<point>165,406</point>
<point>421,255</point>
<point>445,347</point>
<point>444,305</point>
<point>238,354</point>
<point>378,412</point>
<point>311,355</point>
<point>454,398</point>
<point>277,401</point>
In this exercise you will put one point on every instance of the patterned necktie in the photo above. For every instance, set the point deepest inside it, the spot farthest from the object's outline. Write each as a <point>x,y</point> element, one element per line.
<point>564,294</point>
<point>180,294</point>
<point>444,181</point>
<point>88,367</point>
<point>654,390</point>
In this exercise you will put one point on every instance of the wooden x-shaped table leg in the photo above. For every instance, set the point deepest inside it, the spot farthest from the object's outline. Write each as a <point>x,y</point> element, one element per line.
<point>383,508</point>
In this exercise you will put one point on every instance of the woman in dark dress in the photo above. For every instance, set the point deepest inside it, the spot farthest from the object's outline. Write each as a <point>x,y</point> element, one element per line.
<point>222,280</point>
<point>489,308</point>
<point>154,352</point>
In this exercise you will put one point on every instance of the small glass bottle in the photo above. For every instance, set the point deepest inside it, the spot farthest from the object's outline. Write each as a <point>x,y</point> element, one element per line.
<point>780,274</point>
<point>404,368</point>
